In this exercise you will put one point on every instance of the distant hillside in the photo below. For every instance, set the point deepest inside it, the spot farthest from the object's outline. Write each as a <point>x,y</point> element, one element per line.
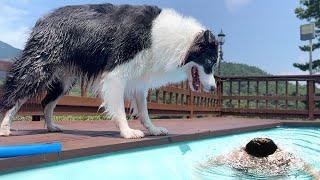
<point>238,69</point>
<point>7,51</point>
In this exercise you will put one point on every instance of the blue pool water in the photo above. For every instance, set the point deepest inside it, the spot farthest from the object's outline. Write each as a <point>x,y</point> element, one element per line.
<point>180,160</point>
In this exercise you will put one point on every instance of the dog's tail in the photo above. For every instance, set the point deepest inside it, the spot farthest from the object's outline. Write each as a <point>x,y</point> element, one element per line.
<point>24,80</point>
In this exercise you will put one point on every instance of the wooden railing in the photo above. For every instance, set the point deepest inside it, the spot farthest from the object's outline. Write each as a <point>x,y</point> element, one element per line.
<point>256,95</point>
<point>274,95</point>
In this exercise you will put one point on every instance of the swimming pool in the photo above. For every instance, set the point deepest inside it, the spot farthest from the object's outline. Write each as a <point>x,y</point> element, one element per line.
<point>178,161</point>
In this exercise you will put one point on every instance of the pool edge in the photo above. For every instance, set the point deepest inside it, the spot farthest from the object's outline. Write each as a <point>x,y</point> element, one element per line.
<point>17,163</point>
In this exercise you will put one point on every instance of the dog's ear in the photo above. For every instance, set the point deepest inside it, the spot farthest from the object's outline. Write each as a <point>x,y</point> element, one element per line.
<point>208,37</point>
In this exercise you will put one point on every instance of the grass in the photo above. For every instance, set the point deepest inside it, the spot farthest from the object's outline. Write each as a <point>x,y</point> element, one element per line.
<point>68,118</point>
<point>72,118</point>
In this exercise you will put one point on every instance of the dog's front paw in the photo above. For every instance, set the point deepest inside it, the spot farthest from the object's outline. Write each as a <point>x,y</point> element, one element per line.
<point>132,134</point>
<point>4,131</point>
<point>54,128</point>
<point>158,131</point>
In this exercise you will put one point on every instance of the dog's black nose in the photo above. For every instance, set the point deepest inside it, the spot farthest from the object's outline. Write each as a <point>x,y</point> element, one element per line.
<point>213,88</point>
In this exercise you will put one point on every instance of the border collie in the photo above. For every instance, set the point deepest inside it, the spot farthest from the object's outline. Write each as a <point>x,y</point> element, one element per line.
<point>120,50</point>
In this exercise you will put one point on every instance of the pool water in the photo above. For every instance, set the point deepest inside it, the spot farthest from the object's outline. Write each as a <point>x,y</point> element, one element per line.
<point>180,160</point>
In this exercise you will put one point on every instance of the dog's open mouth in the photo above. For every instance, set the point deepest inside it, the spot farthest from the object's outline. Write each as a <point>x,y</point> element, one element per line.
<point>195,78</point>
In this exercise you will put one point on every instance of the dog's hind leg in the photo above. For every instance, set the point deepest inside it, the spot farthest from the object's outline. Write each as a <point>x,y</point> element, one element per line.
<point>113,100</point>
<point>133,108</point>
<point>141,100</point>
<point>56,91</point>
<point>21,84</point>
<point>8,117</point>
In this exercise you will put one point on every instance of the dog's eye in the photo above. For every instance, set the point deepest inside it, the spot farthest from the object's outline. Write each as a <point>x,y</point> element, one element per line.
<point>209,62</point>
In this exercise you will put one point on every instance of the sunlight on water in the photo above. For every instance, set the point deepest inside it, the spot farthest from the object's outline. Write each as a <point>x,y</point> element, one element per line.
<point>189,160</point>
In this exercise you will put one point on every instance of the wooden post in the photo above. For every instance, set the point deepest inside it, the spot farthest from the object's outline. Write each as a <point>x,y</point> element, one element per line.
<point>219,95</point>
<point>84,92</point>
<point>311,102</point>
<point>267,93</point>
<point>191,102</point>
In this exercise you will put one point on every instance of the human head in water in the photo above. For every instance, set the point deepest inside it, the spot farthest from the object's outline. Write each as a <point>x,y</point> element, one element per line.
<point>261,147</point>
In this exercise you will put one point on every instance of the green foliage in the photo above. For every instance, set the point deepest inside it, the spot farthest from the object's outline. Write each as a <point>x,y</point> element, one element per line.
<point>76,90</point>
<point>306,48</point>
<point>305,66</point>
<point>238,69</point>
<point>309,10</point>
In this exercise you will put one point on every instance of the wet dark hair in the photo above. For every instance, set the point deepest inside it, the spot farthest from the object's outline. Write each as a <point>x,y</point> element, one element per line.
<point>261,147</point>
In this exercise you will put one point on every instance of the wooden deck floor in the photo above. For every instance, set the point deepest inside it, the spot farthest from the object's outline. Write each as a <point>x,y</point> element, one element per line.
<point>82,134</point>
<point>83,138</point>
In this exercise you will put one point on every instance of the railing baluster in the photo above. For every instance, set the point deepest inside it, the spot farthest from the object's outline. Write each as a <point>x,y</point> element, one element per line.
<point>267,94</point>
<point>149,96</point>
<point>257,94</point>
<point>311,102</point>
<point>221,94</point>
<point>297,93</point>
<point>230,92</point>
<point>286,94</point>
<point>177,96</point>
<point>164,97</point>
<point>181,99</point>
<point>277,94</point>
<point>157,96</point>
<point>239,94</point>
<point>248,92</point>
<point>202,101</point>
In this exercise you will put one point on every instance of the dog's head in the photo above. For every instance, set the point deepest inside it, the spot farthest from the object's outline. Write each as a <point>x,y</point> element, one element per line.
<point>200,61</point>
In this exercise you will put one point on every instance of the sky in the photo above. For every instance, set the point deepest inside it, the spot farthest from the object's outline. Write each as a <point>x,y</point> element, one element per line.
<point>259,33</point>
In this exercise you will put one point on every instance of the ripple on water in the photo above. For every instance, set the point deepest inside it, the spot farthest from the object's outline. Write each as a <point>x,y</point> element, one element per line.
<point>303,143</point>
<point>225,172</point>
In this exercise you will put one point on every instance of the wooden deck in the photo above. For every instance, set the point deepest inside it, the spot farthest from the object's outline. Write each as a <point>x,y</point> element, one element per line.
<point>83,134</point>
<point>84,138</point>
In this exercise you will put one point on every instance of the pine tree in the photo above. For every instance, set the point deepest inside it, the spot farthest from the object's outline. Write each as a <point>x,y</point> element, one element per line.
<point>309,10</point>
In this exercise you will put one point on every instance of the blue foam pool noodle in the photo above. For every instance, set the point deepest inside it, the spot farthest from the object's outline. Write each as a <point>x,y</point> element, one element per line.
<point>29,149</point>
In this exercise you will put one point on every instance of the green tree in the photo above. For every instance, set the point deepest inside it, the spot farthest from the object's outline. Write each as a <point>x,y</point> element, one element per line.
<point>309,10</point>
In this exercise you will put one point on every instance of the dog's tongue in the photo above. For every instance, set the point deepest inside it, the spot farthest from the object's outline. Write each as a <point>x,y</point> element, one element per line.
<point>195,78</point>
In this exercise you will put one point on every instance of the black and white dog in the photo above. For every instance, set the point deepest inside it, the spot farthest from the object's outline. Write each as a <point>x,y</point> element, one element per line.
<point>121,51</point>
